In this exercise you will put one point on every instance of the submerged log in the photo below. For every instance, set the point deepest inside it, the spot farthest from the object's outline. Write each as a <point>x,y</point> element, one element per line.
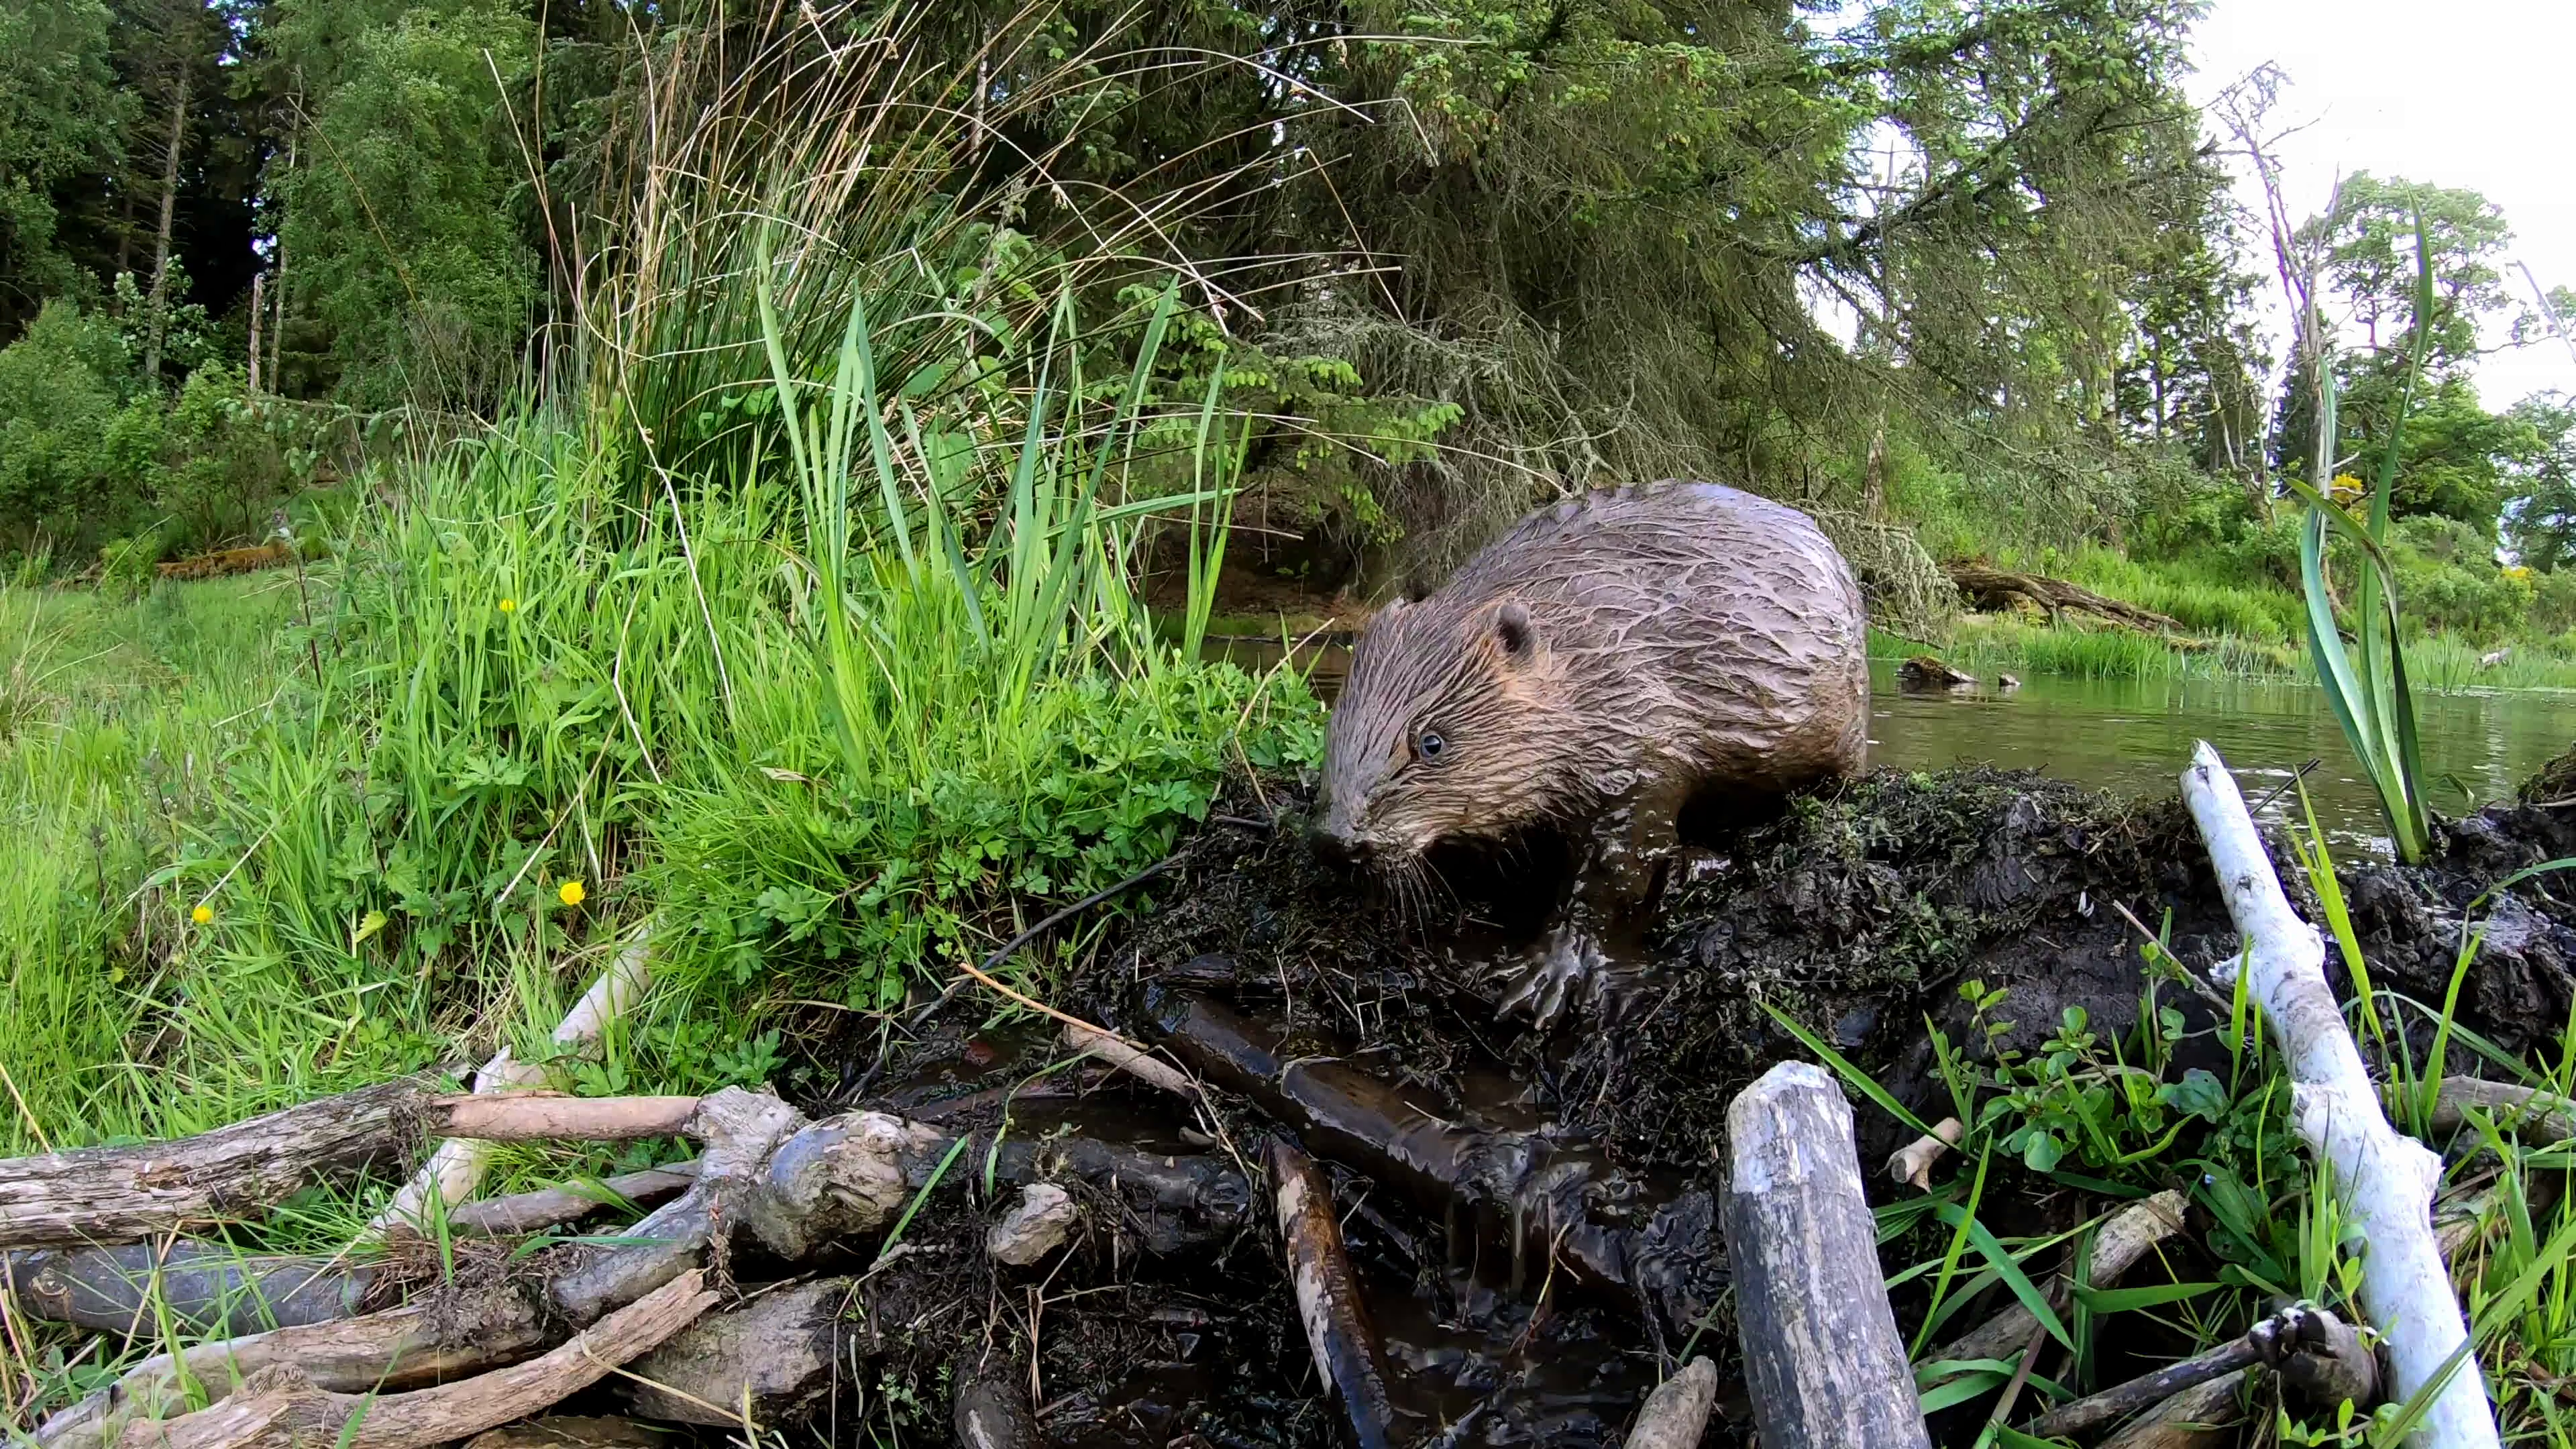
<point>1927,674</point>
<point>992,1413</point>
<point>1348,1355</point>
<point>1822,1358</point>
<point>1544,1201</point>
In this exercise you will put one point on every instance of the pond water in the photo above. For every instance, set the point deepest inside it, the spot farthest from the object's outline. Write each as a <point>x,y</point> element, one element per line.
<point>2134,736</point>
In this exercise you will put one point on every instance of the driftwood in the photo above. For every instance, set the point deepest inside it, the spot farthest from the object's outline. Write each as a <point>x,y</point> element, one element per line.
<point>1675,1415</point>
<point>127,1194</point>
<point>553,1117</point>
<point>1822,1359</point>
<point>202,1288</point>
<point>427,1341</point>
<point>2538,1116</point>
<point>1928,674</point>
<point>281,1408</point>
<point>2385,1180</point>
<point>1541,1201</point>
<point>2202,1417</point>
<point>774,1354</point>
<point>1130,1058</point>
<point>553,1207</point>
<point>1991,589</point>
<point>1348,1356</point>
<point>2314,1351</point>
<point>2119,1244</point>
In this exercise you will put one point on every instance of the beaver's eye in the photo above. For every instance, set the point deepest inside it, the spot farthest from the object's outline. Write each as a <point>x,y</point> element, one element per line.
<point>1429,744</point>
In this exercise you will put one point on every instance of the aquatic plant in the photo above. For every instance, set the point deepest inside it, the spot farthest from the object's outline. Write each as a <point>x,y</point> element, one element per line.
<point>2369,695</point>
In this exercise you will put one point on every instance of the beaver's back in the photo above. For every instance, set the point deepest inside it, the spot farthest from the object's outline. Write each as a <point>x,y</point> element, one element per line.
<point>1716,630</point>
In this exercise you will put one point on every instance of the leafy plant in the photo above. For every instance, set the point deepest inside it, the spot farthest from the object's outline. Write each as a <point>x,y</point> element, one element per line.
<point>2369,696</point>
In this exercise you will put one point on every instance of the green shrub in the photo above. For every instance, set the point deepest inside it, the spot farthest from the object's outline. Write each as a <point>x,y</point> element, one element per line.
<point>75,454</point>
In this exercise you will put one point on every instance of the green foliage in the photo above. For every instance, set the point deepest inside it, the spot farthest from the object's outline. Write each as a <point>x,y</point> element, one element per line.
<point>76,452</point>
<point>60,114</point>
<point>405,237</point>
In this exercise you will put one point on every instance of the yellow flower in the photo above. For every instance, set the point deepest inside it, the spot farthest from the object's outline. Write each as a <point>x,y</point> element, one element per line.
<point>509,606</point>
<point>2518,571</point>
<point>572,893</point>
<point>202,914</point>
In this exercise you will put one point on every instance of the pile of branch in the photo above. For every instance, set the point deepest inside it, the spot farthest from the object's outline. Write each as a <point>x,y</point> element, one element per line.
<point>1992,590</point>
<point>97,1233</point>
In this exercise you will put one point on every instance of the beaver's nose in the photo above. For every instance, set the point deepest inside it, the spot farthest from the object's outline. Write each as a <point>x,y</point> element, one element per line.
<point>1335,842</point>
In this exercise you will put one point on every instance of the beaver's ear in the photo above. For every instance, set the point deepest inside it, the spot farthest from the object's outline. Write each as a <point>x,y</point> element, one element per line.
<point>1514,633</point>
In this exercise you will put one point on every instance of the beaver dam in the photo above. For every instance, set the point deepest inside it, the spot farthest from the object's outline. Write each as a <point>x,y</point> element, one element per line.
<point>1048,1249</point>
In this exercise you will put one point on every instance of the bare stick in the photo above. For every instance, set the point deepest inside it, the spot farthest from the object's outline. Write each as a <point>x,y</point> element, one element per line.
<point>1822,1359</point>
<point>126,1194</point>
<point>1912,1163</point>
<point>2121,1242</point>
<point>1130,1058</point>
<point>2385,1179</point>
<point>2201,1417</point>
<point>2538,1116</point>
<point>548,1117</point>
<point>552,1207</point>
<point>281,1408</point>
<point>1346,1348</point>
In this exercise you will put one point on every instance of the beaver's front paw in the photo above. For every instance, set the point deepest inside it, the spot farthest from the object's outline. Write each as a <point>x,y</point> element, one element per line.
<point>1569,968</point>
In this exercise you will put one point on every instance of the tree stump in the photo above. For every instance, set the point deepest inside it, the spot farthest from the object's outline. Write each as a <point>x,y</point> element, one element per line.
<point>1822,1359</point>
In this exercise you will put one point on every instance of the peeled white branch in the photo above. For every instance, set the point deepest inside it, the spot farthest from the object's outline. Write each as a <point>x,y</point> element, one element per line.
<point>455,1169</point>
<point>2386,1181</point>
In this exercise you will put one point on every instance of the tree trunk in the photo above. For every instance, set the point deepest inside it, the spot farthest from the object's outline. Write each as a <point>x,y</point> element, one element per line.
<point>1822,1359</point>
<point>258,311</point>
<point>161,239</point>
<point>277,329</point>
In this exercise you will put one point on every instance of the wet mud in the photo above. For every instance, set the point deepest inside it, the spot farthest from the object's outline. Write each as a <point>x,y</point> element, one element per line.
<point>1530,1213</point>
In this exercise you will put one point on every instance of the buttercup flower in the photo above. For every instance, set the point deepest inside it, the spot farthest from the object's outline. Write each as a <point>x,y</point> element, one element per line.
<point>572,893</point>
<point>202,914</point>
<point>509,606</point>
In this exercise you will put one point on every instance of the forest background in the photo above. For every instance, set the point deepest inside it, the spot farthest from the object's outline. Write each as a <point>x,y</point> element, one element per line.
<point>1967,281</point>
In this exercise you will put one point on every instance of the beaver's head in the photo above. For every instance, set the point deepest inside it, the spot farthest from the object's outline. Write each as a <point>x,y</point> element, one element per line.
<point>1447,727</point>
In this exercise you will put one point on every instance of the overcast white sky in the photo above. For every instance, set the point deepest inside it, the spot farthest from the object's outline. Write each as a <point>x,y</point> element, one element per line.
<point>2472,93</point>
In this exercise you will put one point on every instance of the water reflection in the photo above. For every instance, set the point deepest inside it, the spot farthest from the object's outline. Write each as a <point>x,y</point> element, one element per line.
<point>2134,735</point>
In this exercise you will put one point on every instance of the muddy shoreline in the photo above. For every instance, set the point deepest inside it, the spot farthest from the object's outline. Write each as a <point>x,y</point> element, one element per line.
<point>1858,913</point>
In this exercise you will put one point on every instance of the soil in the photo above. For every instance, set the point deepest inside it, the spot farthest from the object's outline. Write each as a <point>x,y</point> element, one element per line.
<point>1857,912</point>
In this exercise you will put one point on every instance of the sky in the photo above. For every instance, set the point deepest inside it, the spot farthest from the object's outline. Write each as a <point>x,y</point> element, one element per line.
<point>2460,93</point>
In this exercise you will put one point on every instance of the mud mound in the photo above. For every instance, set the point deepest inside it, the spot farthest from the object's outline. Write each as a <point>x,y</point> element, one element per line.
<point>1857,913</point>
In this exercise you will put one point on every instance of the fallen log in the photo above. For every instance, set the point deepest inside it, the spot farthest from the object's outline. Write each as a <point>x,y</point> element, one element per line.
<point>1992,590</point>
<point>1675,1415</point>
<point>102,1195</point>
<point>426,1341</point>
<point>1543,1201</point>
<point>774,1355</point>
<point>280,1407</point>
<point>2385,1180</point>
<point>1348,1356</point>
<point>1822,1359</point>
<point>197,1288</point>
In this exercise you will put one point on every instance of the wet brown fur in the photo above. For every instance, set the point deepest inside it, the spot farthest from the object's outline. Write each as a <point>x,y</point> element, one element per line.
<point>1652,643</point>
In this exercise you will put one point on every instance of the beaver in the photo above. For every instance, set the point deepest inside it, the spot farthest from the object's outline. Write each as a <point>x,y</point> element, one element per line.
<point>1607,663</point>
